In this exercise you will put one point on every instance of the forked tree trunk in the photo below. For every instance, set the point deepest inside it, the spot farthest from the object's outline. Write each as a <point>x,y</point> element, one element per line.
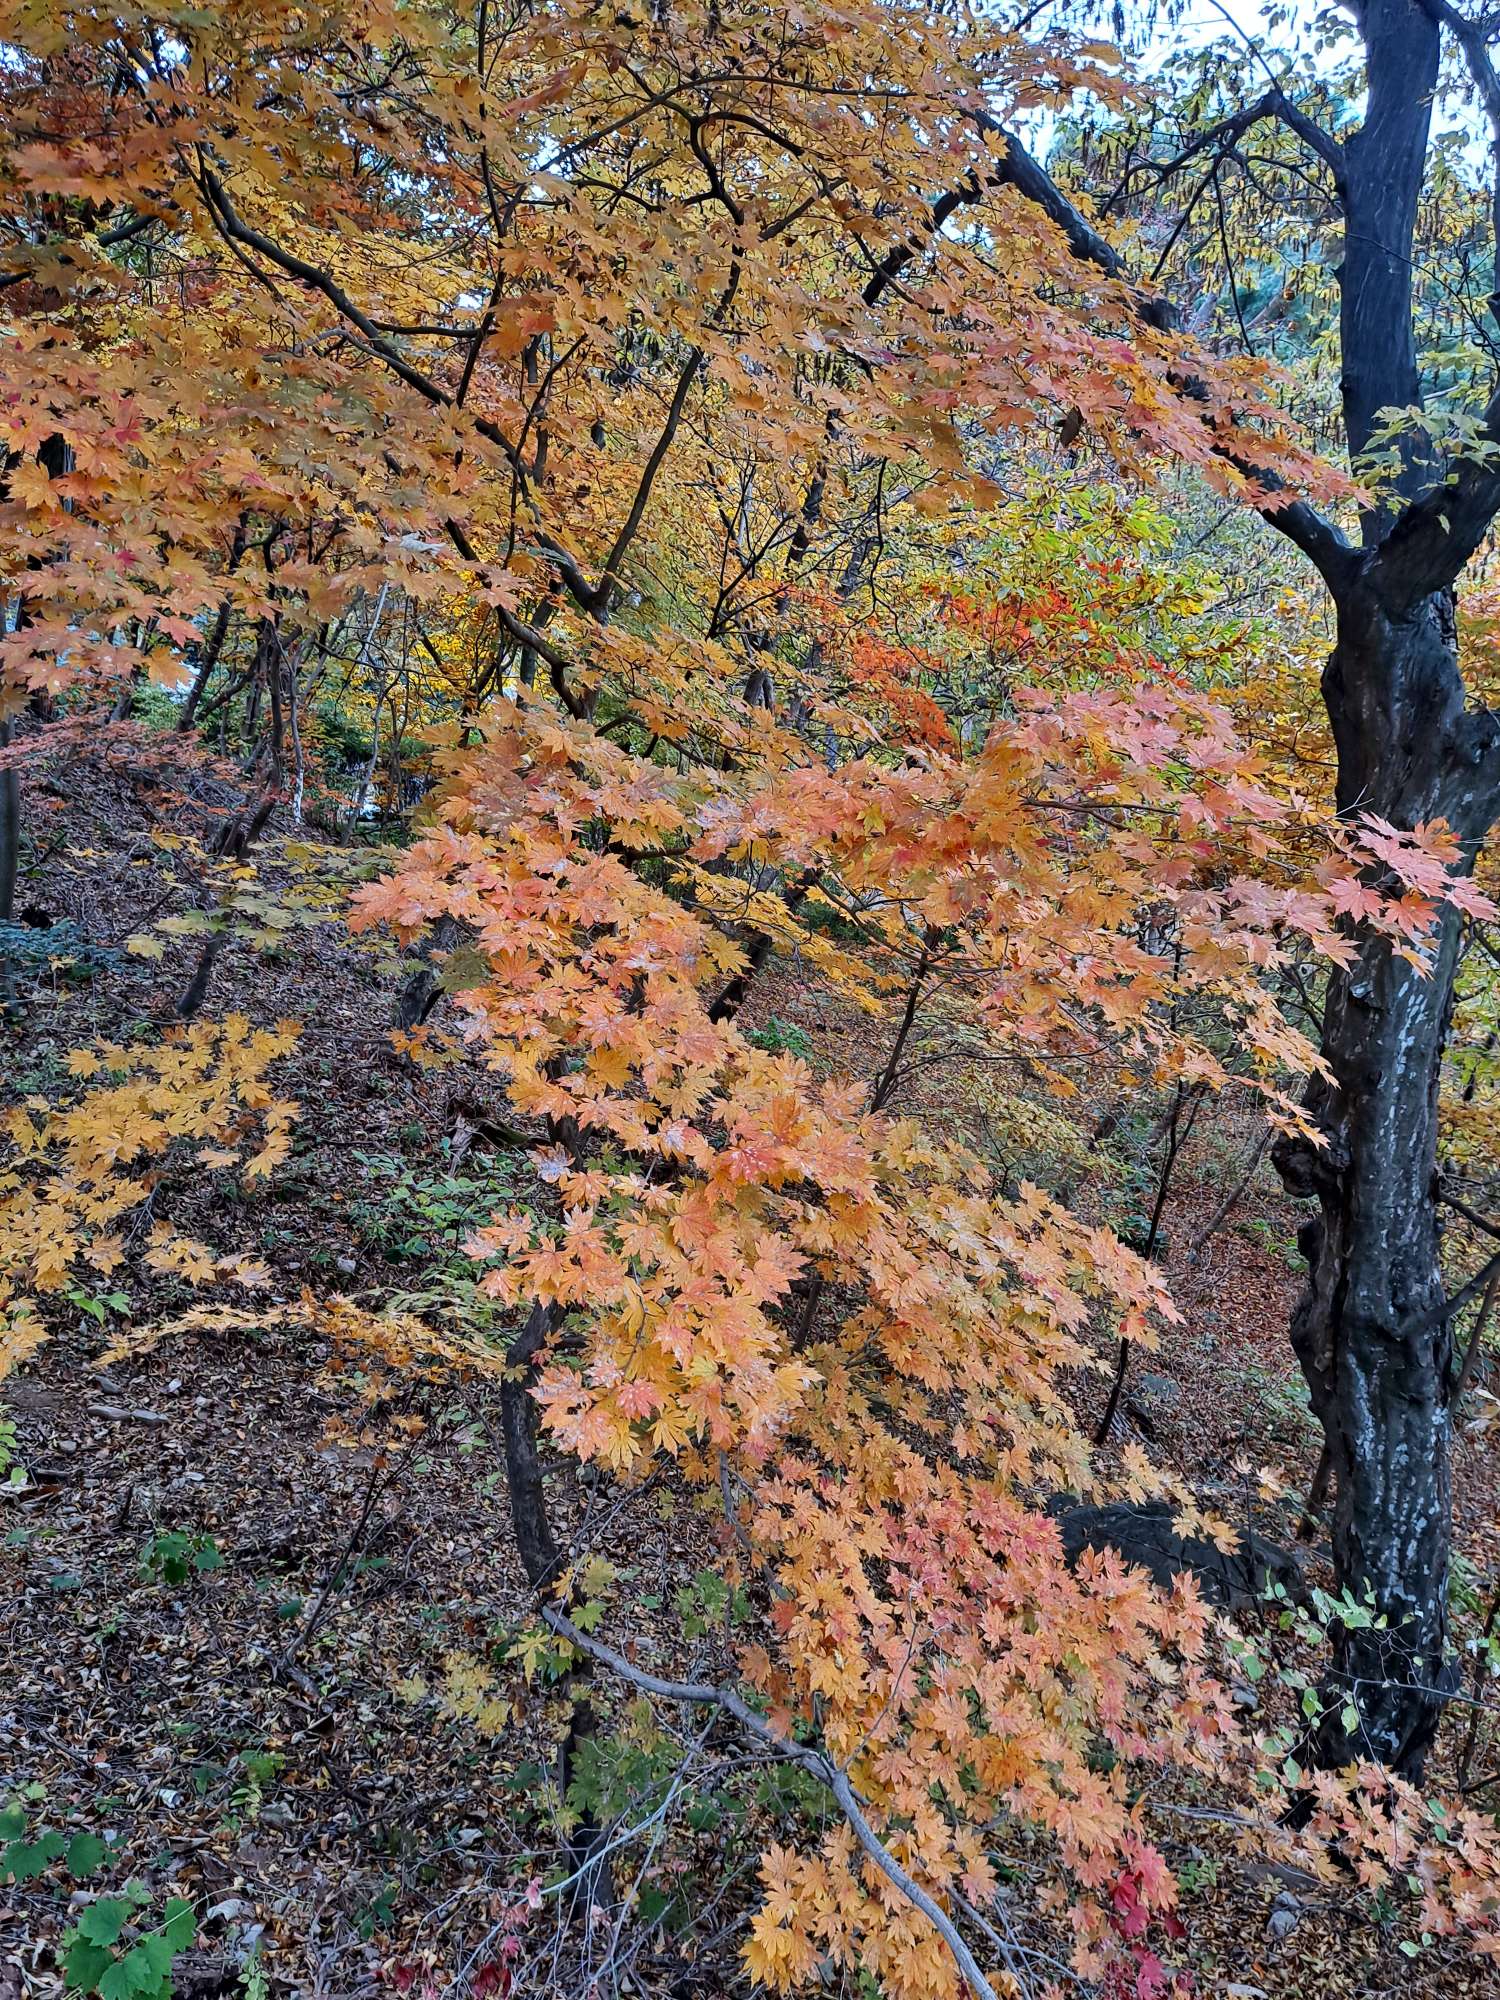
<point>1371,1331</point>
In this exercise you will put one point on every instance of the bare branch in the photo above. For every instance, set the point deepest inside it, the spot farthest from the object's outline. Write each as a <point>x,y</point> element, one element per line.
<point>1319,539</point>
<point>649,471</point>
<point>703,1694</point>
<point>232,226</point>
<point>1473,38</point>
<point>1221,137</point>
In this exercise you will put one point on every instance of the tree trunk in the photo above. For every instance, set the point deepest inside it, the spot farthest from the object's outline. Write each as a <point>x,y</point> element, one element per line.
<point>213,645</point>
<point>10,829</point>
<point>1371,1330</point>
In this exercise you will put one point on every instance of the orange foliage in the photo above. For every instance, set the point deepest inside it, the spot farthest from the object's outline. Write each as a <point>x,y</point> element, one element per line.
<point>822,1311</point>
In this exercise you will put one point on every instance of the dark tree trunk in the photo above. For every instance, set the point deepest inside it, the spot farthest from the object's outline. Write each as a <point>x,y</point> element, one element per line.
<point>1385,166</point>
<point>10,829</point>
<point>275,659</point>
<point>422,990</point>
<point>1371,1331</point>
<point>544,1563</point>
<point>530,1521</point>
<point>213,645</point>
<point>56,455</point>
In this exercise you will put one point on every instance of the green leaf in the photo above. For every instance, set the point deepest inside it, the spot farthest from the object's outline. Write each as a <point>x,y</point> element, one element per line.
<point>119,1982</point>
<point>25,1859</point>
<point>155,1961</point>
<point>209,1557</point>
<point>102,1922</point>
<point>12,1820</point>
<point>179,1930</point>
<point>85,1964</point>
<point>85,1852</point>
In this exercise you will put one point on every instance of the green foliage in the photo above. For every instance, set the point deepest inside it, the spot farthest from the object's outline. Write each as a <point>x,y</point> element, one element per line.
<point>1029,1141</point>
<point>1132,1168</point>
<point>23,1858</point>
<point>782,1038</point>
<point>379,1913</point>
<point>1198,1873</point>
<point>27,1851</point>
<point>244,905</point>
<point>706,1604</point>
<point>96,1305</point>
<point>258,1769</point>
<point>1284,1400</point>
<point>541,1654</point>
<point>408,1214</point>
<point>113,1952</point>
<point>12,1473</point>
<point>58,950</point>
<point>1259,1229</point>
<point>175,1556</point>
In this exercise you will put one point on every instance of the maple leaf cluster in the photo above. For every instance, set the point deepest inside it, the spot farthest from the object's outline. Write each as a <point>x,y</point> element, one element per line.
<point>684,332</point>
<point>820,1309</point>
<point>79,1184</point>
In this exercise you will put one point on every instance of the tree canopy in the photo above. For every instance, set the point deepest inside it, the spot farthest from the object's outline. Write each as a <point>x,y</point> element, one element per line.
<point>584,517</point>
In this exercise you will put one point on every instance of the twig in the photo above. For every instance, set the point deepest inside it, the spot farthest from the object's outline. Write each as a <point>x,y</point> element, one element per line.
<point>706,1694</point>
<point>1481,1222</point>
<point>1230,1201</point>
<point>1460,1299</point>
<point>1476,1341</point>
<point>1317,1494</point>
<point>378,1487</point>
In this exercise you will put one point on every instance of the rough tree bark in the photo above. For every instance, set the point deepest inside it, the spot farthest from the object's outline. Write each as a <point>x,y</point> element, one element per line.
<point>1372,1330</point>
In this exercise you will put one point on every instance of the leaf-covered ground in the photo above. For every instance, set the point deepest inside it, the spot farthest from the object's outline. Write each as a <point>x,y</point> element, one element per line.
<point>267,1638</point>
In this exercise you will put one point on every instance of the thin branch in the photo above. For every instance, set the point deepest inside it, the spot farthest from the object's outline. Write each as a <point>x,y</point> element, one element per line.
<point>236,230</point>
<point>1235,1194</point>
<point>1476,1342</point>
<point>1273,103</point>
<point>1462,1298</point>
<point>1319,539</point>
<point>703,1694</point>
<point>649,471</point>
<point>1480,1222</point>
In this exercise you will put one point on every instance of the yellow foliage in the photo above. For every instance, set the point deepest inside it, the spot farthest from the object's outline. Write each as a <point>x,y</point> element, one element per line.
<point>83,1176</point>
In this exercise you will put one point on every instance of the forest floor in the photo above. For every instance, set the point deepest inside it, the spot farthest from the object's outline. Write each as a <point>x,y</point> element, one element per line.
<point>248,1598</point>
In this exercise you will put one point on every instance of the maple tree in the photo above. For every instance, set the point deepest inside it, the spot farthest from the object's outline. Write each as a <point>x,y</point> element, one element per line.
<point>776,1280</point>
<point>540,396</point>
